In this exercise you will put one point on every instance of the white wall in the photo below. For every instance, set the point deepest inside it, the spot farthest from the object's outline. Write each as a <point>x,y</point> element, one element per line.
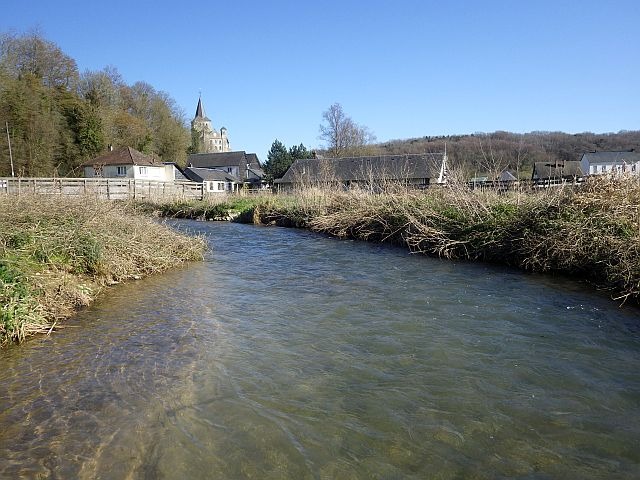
<point>600,168</point>
<point>158,173</point>
<point>216,186</point>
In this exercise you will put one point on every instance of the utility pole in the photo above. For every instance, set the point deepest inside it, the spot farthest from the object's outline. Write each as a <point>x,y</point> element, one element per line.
<point>10,154</point>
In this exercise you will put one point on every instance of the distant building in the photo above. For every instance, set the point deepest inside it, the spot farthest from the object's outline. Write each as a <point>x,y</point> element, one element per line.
<point>127,162</point>
<point>568,171</point>
<point>244,168</point>
<point>210,140</point>
<point>598,163</point>
<point>415,170</point>
<point>214,180</point>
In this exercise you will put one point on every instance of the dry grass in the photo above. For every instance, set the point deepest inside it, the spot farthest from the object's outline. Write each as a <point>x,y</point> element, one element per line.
<point>57,253</point>
<point>592,232</point>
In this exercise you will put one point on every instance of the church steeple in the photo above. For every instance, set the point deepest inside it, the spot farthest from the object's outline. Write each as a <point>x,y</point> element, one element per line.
<point>199,109</point>
<point>209,139</point>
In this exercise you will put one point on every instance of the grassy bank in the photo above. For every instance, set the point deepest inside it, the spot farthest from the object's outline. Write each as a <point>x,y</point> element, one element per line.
<point>56,254</point>
<point>591,233</point>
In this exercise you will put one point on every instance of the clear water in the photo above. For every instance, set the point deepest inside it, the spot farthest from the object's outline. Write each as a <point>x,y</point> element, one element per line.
<point>290,355</point>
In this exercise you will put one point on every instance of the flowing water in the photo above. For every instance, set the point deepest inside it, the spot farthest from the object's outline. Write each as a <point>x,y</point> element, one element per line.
<point>290,355</point>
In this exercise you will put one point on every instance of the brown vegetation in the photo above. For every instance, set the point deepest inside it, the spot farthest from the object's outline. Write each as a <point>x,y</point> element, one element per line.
<point>590,232</point>
<point>57,253</point>
<point>490,153</point>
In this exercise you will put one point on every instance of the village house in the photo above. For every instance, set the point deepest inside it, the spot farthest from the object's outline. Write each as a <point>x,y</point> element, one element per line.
<point>599,163</point>
<point>213,180</point>
<point>568,171</point>
<point>244,168</point>
<point>372,172</point>
<point>127,162</point>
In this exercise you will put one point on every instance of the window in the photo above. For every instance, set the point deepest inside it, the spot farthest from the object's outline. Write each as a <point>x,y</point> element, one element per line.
<point>121,171</point>
<point>229,169</point>
<point>143,170</point>
<point>220,185</point>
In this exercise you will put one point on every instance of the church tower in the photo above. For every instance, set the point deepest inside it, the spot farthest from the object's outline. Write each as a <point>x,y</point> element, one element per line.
<point>209,139</point>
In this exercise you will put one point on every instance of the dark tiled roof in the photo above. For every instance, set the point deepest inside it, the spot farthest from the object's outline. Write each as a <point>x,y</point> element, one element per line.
<point>506,176</point>
<point>545,170</point>
<point>383,167</point>
<point>209,174</point>
<point>123,156</point>
<point>612,157</point>
<point>238,159</point>
<point>252,159</point>
<point>212,160</point>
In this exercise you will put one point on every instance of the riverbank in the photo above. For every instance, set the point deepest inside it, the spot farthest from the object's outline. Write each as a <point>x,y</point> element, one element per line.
<point>591,233</point>
<point>58,253</point>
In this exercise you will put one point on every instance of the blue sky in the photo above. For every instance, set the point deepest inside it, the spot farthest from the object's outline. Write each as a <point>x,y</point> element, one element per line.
<point>268,69</point>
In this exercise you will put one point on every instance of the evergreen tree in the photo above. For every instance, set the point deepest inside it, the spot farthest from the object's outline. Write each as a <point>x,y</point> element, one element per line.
<point>278,161</point>
<point>299,152</point>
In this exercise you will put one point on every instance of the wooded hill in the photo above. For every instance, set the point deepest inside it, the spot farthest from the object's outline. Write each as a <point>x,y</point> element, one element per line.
<point>489,153</point>
<point>58,117</point>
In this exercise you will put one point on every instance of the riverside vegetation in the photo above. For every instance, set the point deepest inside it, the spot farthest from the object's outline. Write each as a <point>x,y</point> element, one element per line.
<point>591,233</point>
<point>56,254</point>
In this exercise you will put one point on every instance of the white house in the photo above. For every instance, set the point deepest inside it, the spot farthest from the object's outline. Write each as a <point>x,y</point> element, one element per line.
<point>214,180</point>
<point>598,163</point>
<point>244,167</point>
<point>127,162</point>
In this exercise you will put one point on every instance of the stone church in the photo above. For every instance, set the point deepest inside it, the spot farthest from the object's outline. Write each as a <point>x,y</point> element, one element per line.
<point>209,139</point>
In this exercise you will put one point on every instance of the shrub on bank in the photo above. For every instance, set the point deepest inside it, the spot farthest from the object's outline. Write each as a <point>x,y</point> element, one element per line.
<point>592,232</point>
<point>56,253</point>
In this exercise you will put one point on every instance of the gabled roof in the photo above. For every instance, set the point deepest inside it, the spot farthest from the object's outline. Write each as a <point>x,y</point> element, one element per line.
<point>629,156</point>
<point>123,156</point>
<point>239,159</point>
<point>546,170</point>
<point>506,176</point>
<point>209,174</point>
<point>252,159</point>
<point>381,167</point>
<point>221,159</point>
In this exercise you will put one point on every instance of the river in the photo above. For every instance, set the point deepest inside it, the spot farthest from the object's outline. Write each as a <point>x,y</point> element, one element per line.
<point>288,354</point>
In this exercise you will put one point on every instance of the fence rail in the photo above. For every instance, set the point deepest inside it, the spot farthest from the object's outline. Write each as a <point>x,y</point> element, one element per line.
<point>107,188</point>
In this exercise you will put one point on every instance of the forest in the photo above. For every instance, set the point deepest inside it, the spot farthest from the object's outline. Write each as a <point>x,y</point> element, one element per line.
<point>56,118</point>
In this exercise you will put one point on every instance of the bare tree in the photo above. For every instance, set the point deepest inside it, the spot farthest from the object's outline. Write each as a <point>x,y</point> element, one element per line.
<point>342,135</point>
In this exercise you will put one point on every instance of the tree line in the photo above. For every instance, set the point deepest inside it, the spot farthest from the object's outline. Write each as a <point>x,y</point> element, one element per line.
<point>487,154</point>
<point>472,155</point>
<point>58,118</point>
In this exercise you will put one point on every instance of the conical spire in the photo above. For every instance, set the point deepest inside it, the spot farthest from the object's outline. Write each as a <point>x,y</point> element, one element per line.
<point>199,109</point>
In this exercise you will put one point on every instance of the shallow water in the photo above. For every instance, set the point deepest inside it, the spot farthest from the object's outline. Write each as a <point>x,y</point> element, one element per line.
<point>290,355</point>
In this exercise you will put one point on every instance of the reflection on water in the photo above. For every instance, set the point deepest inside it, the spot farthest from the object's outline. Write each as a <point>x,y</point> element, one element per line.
<point>290,355</point>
